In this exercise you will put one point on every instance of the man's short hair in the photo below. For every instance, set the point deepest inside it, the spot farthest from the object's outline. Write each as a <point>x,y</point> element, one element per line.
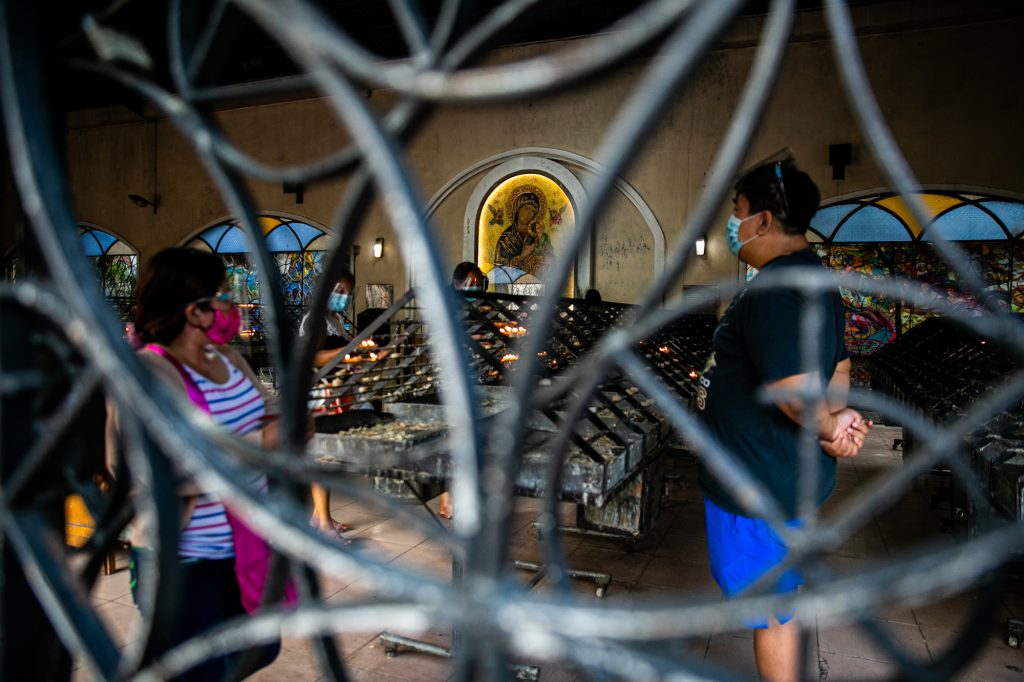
<point>783,189</point>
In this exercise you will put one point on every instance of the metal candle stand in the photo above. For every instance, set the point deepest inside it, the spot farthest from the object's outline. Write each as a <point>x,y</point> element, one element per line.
<point>613,460</point>
<point>942,369</point>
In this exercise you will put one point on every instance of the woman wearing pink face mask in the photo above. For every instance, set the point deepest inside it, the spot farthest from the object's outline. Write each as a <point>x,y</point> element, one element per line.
<point>185,317</point>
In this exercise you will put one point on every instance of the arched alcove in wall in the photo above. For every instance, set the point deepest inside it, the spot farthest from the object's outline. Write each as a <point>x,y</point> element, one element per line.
<point>517,219</point>
<point>560,167</point>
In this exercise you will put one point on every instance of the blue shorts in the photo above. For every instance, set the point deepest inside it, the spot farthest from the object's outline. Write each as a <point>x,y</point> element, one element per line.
<point>742,549</point>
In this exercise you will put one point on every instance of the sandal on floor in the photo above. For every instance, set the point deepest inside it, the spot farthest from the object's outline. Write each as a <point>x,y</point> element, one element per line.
<point>336,526</point>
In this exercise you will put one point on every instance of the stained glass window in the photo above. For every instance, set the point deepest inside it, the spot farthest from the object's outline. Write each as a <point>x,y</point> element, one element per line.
<point>297,248</point>
<point>877,236</point>
<point>117,264</point>
<point>886,217</point>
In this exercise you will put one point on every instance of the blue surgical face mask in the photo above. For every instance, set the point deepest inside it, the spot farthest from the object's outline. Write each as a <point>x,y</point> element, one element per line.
<point>337,303</point>
<point>732,234</point>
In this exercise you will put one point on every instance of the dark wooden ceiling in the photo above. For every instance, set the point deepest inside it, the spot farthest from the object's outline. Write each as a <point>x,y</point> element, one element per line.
<point>242,52</point>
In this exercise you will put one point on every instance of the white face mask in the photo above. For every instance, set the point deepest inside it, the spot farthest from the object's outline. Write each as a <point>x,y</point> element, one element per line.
<point>732,234</point>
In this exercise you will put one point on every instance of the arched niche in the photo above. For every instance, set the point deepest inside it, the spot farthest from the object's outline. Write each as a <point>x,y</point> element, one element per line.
<point>555,164</point>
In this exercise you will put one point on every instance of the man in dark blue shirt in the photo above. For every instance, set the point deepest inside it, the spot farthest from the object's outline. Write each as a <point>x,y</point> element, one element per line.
<point>759,347</point>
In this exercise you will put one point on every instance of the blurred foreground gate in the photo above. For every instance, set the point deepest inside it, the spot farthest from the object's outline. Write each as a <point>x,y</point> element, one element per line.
<point>62,351</point>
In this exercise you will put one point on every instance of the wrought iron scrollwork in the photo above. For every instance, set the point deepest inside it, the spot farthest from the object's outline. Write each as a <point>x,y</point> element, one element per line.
<point>66,326</point>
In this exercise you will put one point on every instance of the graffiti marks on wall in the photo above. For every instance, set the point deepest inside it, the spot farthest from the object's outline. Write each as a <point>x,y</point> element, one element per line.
<point>612,253</point>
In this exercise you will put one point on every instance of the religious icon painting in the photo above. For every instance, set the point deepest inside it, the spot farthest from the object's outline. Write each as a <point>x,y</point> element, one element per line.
<point>521,226</point>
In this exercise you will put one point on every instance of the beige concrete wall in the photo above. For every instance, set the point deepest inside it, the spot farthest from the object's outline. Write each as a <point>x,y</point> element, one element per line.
<point>950,95</point>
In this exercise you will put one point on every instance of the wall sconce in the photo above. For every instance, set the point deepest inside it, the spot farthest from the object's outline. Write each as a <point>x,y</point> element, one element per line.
<point>839,157</point>
<point>378,247</point>
<point>142,202</point>
<point>699,246</point>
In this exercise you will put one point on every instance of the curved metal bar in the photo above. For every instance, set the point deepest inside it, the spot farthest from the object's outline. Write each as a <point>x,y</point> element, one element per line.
<point>192,127</point>
<point>496,615</point>
<point>940,447</point>
<point>398,121</point>
<point>147,395</point>
<point>937,574</point>
<point>883,145</point>
<point>56,429</point>
<point>183,74</point>
<point>617,149</point>
<point>419,248</point>
<point>763,76</point>
<point>488,84</point>
<point>411,24</point>
<point>156,597</point>
<point>749,492</point>
<point>612,347</point>
<point>606,658</point>
<point>267,627</point>
<point>68,608</point>
<point>740,132</point>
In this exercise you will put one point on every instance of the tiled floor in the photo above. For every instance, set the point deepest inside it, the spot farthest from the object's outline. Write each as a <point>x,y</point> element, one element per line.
<point>670,563</point>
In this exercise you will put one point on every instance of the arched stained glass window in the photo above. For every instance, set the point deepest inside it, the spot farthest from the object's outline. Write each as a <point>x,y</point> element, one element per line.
<point>298,249</point>
<point>825,220</point>
<point>965,223</point>
<point>886,217</point>
<point>871,224</point>
<point>117,264</point>
<point>876,236</point>
<point>283,236</point>
<point>1009,213</point>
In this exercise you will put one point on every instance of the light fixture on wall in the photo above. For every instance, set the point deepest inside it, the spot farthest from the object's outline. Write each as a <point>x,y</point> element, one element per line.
<point>142,202</point>
<point>839,157</point>
<point>699,246</point>
<point>378,247</point>
<point>296,188</point>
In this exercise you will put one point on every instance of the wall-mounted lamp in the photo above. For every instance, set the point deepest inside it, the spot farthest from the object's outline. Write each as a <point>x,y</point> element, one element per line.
<point>699,246</point>
<point>142,202</point>
<point>839,157</point>
<point>296,188</point>
<point>378,247</point>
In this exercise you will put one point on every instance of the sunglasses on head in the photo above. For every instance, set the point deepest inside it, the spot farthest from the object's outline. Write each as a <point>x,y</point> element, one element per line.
<point>782,187</point>
<point>222,296</point>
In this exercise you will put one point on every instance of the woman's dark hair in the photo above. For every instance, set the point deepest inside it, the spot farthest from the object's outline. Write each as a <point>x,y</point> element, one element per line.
<point>783,189</point>
<point>347,276</point>
<point>463,270</point>
<point>171,280</point>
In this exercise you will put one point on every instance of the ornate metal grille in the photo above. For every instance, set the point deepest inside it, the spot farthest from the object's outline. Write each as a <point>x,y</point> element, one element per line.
<point>62,349</point>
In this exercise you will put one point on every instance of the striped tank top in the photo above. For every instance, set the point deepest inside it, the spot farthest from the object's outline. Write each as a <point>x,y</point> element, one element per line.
<point>237,406</point>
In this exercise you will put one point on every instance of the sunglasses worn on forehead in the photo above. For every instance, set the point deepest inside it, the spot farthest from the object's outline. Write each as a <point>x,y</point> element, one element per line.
<point>222,296</point>
<point>782,187</point>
